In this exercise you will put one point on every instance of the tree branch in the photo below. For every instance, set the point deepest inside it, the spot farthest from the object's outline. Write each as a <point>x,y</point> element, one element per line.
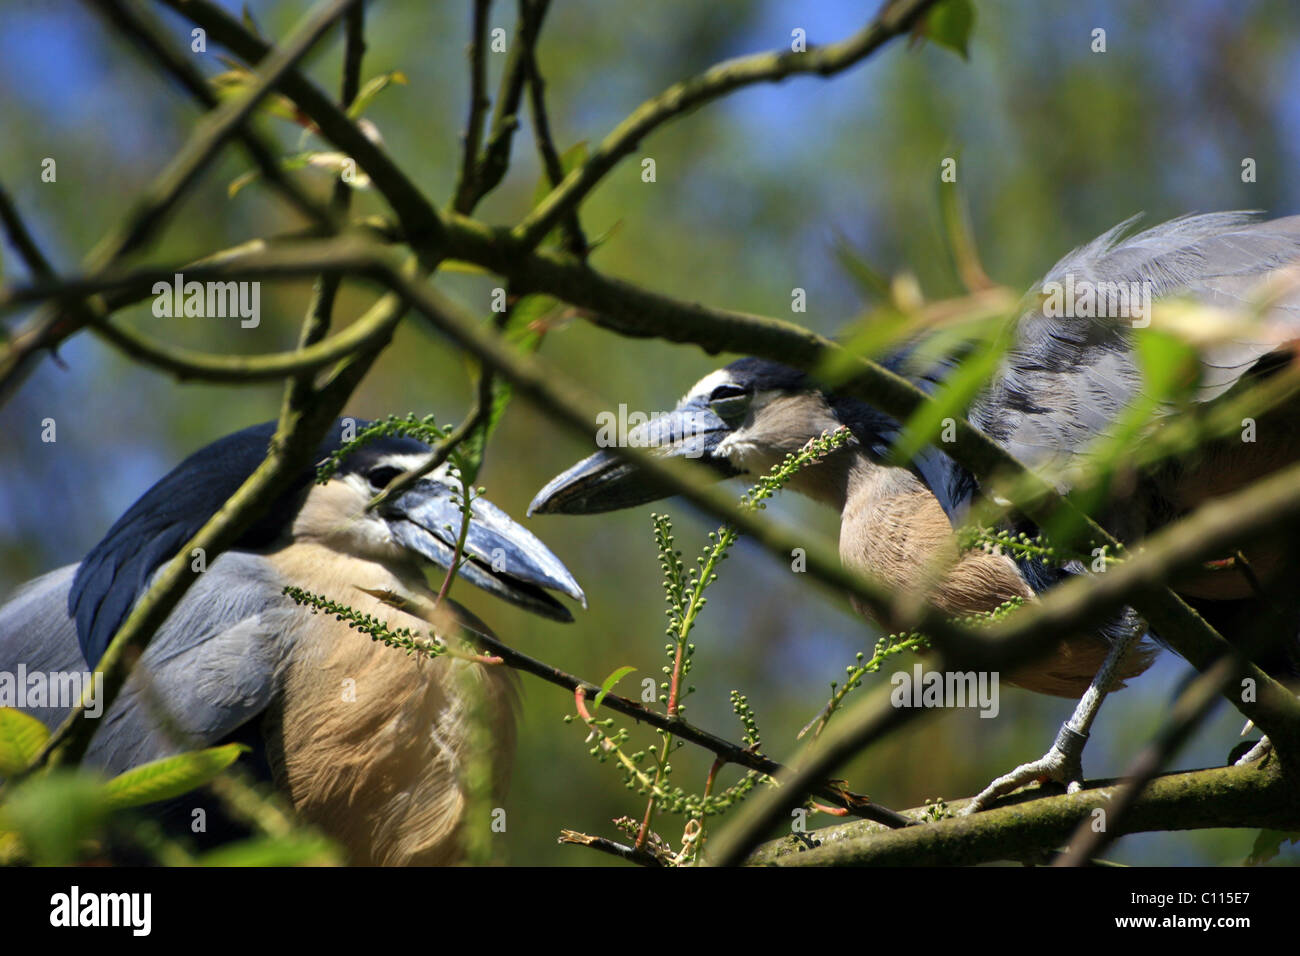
<point>574,240</point>
<point>465,196</point>
<point>149,39</point>
<point>495,158</point>
<point>21,238</point>
<point>166,190</point>
<point>420,221</point>
<point>896,17</point>
<point>724,749</point>
<point>1032,828</point>
<point>623,852</point>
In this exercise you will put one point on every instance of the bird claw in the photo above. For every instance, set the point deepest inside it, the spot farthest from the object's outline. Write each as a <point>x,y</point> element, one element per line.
<point>1261,749</point>
<point>1062,764</point>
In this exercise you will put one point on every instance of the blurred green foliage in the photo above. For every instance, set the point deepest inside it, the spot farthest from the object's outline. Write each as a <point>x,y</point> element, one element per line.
<point>1056,144</point>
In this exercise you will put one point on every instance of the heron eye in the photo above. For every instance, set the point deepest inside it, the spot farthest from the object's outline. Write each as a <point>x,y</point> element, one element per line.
<point>723,392</point>
<point>730,403</point>
<point>380,477</point>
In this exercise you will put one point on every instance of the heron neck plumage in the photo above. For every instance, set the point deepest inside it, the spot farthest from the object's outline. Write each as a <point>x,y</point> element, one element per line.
<point>893,528</point>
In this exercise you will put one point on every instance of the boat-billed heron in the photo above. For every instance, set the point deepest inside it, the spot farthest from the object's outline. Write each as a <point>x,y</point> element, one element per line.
<point>367,743</point>
<point>1060,388</point>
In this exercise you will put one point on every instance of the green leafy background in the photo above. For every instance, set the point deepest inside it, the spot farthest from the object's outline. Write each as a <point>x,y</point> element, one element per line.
<point>1055,144</point>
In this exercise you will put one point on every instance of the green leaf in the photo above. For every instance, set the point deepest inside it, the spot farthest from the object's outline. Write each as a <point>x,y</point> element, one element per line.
<point>949,24</point>
<point>609,683</point>
<point>468,457</point>
<point>21,738</point>
<point>249,23</point>
<point>950,400</point>
<point>54,815</point>
<point>290,850</point>
<point>372,88</point>
<point>460,266</point>
<point>871,336</point>
<point>169,777</point>
<point>869,281</point>
<point>523,330</point>
<point>238,81</point>
<point>528,319</point>
<point>1170,366</point>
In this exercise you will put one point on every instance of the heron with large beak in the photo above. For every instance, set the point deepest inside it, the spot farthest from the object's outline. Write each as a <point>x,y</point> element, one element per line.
<point>1063,385</point>
<point>365,742</point>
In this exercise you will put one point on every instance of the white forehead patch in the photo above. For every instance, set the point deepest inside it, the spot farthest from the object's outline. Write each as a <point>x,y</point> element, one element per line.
<point>406,462</point>
<point>705,386</point>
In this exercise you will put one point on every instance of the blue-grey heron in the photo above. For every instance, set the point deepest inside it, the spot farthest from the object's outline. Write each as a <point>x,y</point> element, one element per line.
<point>1065,382</point>
<point>367,743</point>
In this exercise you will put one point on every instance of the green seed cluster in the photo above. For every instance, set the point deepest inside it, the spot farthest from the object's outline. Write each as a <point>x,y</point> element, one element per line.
<point>814,451</point>
<point>646,772</point>
<point>986,618</point>
<point>885,648</point>
<point>740,706</point>
<point>424,429</point>
<point>937,809</point>
<point>402,638</point>
<point>1027,547</point>
<point>1016,545</point>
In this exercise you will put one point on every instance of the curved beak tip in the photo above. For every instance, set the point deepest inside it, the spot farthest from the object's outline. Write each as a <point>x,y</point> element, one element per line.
<point>605,481</point>
<point>500,556</point>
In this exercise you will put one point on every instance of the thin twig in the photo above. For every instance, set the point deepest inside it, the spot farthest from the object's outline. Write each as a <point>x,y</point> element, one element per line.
<point>190,364</point>
<point>421,223</point>
<point>623,852</point>
<point>163,194</point>
<point>574,239</point>
<point>148,36</point>
<point>495,158</point>
<point>581,689</point>
<point>466,196</point>
<point>21,238</point>
<point>896,18</point>
<point>320,309</point>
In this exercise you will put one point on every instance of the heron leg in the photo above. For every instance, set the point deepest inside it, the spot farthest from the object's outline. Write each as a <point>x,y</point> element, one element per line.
<point>1064,762</point>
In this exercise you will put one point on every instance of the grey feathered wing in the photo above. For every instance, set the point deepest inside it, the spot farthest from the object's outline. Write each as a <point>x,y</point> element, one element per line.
<point>212,666</point>
<point>1066,379</point>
